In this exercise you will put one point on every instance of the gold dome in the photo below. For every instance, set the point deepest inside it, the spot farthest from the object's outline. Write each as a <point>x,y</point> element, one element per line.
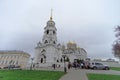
<point>78,47</point>
<point>71,42</point>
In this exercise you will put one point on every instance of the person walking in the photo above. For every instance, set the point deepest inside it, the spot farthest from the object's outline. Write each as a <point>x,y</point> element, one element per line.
<point>54,66</point>
<point>69,65</point>
<point>75,65</point>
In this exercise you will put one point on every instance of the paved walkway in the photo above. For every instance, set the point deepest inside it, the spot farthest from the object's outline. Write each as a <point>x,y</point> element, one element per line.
<point>80,74</point>
<point>73,74</point>
<point>103,72</point>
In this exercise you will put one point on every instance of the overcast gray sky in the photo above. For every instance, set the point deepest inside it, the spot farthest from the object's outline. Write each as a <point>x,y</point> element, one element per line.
<point>89,23</point>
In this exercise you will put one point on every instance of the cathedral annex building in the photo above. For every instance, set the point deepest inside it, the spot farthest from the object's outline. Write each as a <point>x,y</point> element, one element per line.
<point>49,51</point>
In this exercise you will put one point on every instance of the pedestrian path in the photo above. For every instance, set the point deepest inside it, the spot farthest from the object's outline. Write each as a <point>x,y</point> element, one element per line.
<point>80,74</point>
<point>103,72</point>
<point>73,74</point>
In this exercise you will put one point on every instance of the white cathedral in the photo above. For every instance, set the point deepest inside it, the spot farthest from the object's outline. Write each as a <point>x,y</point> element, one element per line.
<point>49,51</point>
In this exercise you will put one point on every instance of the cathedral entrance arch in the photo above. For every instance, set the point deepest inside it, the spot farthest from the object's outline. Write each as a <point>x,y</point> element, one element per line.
<point>43,56</point>
<point>41,60</point>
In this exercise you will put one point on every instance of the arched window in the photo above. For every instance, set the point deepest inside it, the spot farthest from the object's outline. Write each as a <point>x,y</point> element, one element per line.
<point>53,32</point>
<point>41,60</point>
<point>57,60</point>
<point>46,41</point>
<point>61,60</point>
<point>47,31</point>
<point>54,42</point>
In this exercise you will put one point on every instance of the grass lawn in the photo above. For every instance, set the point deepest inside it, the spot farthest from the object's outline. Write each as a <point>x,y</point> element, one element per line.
<point>115,68</point>
<point>103,77</point>
<point>30,75</point>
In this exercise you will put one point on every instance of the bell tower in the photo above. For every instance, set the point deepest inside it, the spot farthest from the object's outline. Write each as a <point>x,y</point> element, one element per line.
<point>49,36</point>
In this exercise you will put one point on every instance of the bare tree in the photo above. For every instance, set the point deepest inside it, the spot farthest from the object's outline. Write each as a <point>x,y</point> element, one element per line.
<point>116,44</point>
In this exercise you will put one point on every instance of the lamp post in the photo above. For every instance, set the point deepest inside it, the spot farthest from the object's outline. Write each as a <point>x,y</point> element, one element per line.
<point>64,56</point>
<point>37,65</point>
<point>31,63</point>
<point>65,69</point>
<point>10,64</point>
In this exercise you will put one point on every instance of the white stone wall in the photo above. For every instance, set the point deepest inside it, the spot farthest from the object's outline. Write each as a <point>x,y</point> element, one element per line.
<point>52,55</point>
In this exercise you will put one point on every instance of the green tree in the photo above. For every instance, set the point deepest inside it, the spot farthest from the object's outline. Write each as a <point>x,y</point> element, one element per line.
<point>116,44</point>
